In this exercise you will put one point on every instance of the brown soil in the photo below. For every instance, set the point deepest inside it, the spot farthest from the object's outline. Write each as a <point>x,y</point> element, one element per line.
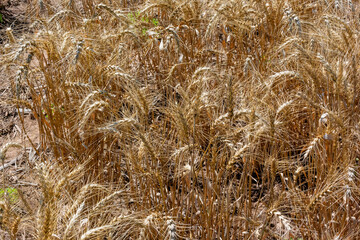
<point>13,14</point>
<point>11,130</point>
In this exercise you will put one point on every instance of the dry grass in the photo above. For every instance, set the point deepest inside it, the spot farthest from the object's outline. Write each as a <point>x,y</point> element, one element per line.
<point>191,119</point>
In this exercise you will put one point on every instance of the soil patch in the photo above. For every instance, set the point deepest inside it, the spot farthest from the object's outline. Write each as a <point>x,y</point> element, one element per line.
<point>12,15</point>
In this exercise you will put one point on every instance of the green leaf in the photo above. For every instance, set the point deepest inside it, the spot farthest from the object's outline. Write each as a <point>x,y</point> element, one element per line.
<point>155,21</point>
<point>131,17</point>
<point>12,193</point>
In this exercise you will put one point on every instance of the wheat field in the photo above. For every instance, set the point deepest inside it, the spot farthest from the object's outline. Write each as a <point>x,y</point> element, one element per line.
<point>190,119</point>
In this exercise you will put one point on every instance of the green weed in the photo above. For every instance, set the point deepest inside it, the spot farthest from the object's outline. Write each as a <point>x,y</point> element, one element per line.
<point>11,192</point>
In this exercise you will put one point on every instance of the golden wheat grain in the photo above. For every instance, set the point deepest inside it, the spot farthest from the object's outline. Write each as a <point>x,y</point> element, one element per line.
<point>311,147</point>
<point>47,222</point>
<point>171,227</point>
<point>84,192</point>
<point>197,85</point>
<point>97,232</point>
<point>15,228</point>
<point>6,147</point>
<point>106,200</point>
<point>73,174</point>
<point>60,14</point>
<point>118,16</point>
<point>9,33</point>
<point>283,106</point>
<point>73,220</point>
<point>96,106</point>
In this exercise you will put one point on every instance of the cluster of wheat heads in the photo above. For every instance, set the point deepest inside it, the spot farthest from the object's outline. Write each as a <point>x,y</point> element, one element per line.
<point>192,119</point>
